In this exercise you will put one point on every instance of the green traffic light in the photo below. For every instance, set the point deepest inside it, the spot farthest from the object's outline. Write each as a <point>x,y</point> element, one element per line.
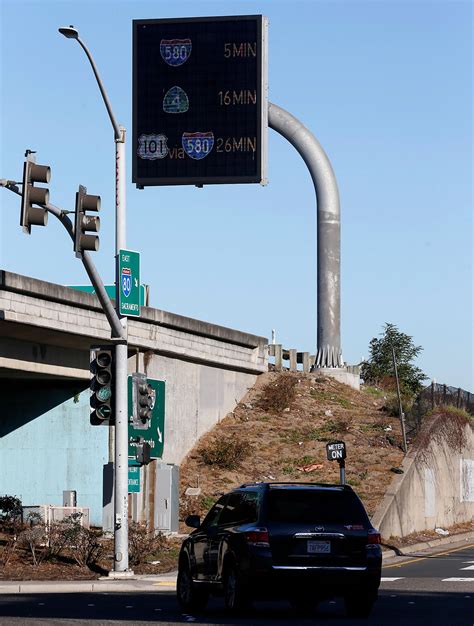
<point>103,394</point>
<point>104,412</point>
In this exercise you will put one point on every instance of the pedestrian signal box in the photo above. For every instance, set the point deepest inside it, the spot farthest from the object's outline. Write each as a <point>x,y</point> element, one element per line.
<point>200,105</point>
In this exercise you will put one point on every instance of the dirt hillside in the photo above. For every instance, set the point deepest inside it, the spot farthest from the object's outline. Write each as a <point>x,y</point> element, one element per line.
<point>279,432</point>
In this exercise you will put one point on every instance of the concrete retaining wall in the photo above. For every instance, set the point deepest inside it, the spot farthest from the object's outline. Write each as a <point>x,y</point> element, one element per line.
<point>435,490</point>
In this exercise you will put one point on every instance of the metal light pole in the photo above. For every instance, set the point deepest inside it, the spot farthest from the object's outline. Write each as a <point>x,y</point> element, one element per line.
<point>400,407</point>
<point>121,348</point>
<point>329,232</point>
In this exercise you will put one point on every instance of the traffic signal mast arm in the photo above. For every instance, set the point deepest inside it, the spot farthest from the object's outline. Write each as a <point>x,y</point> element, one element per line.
<point>109,311</point>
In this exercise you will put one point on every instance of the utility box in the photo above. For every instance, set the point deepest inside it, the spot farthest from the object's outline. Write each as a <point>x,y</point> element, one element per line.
<point>69,498</point>
<point>167,498</point>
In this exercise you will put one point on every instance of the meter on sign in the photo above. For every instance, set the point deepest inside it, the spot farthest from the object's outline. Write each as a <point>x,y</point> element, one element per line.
<point>336,450</point>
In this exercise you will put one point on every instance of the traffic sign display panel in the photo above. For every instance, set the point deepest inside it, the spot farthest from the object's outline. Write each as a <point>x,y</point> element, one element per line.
<point>129,287</point>
<point>155,433</point>
<point>133,478</point>
<point>200,104</point>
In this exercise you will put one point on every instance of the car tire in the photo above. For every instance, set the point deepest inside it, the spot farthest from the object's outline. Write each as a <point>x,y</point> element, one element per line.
<point>360,604</point>
<point>189,597</point>
<point>236,595</point>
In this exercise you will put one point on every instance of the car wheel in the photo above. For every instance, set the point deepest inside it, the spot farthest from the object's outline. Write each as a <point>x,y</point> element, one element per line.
<point>360,604</point>
<point>189,597</point>
<point>236,596</point>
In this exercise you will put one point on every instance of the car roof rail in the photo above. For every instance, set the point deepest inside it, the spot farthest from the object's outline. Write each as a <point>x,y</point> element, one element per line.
<point>292,482</point>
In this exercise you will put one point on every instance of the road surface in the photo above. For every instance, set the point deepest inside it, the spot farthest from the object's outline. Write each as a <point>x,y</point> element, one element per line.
<point>428,590</point>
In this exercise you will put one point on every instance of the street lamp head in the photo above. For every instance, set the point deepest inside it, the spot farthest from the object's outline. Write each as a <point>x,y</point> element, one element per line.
<point>69,31</point>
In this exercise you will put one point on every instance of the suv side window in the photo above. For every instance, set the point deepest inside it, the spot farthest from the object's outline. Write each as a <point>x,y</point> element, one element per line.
<point>241,508</point>
<point>213,515</point>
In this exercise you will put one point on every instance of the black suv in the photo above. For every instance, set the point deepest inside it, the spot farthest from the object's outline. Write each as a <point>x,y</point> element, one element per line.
<point>302,541</point>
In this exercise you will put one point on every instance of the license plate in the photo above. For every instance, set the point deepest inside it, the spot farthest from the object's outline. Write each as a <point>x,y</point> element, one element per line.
<point>319,547</point>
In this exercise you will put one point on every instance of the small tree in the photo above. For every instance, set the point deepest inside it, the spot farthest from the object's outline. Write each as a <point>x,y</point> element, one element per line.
<point>10,513</point>
<point>379,367</point>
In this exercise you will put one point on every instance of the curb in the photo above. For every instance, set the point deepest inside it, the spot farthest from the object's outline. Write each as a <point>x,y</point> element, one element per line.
<point>155,584</point>
<point>426,545</point>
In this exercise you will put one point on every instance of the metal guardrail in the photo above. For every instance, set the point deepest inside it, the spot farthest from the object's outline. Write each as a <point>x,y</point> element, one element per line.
<point>293,358</point>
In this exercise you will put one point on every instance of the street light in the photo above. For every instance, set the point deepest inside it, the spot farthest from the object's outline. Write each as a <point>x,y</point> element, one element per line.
<point>121,348</point>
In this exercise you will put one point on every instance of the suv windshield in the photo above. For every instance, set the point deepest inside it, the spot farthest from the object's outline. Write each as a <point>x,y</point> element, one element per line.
<point>315,506</point>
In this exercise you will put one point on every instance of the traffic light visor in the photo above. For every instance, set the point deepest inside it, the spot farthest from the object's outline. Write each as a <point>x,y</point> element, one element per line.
<point>103,359</point>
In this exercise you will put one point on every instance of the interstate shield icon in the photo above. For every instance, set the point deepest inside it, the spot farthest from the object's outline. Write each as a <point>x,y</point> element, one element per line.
<point>175,52</point>
<point>198,145</point>
<point>126,280</point>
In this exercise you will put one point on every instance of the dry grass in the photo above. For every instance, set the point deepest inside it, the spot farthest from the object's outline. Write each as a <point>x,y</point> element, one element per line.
<point>290,431</point>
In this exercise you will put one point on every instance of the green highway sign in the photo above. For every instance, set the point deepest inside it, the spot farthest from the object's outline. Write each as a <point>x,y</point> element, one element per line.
<point>129,288</point>
<point>155,434</point>
<point>110,289</point>
<point>133,478</point>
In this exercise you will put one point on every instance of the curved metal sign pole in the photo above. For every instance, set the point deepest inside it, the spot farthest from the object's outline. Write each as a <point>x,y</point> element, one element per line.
<point>328,237</point>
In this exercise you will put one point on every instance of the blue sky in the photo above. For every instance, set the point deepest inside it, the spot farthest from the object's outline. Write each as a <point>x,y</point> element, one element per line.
<point>386,87</point>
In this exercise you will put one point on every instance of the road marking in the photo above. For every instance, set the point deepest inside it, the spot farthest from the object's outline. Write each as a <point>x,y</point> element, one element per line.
<point>430,556</point>
<point>165,583</point>
<point>91,605</point>
<point>390,580</point>
<point>458,580</point>
<point>468,567</point>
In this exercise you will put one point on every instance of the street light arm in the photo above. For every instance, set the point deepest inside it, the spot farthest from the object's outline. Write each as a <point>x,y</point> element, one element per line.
<point>109,311</point>
<point>117,133</point>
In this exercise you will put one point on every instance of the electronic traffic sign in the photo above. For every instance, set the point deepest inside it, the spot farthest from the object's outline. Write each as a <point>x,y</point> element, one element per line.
<point>200,104</point>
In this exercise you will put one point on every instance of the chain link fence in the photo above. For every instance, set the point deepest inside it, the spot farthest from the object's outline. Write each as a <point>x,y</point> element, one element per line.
<point>438,395</point>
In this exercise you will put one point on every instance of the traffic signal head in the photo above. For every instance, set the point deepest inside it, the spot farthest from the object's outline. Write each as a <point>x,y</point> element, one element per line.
<point>33,173</point>
<point>144,397</point>
<point>101,399</point>
<point>83,222</point>
<point>143,452</point>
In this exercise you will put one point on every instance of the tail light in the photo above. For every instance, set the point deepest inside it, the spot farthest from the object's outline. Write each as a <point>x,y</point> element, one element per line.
<point>373,536</point>
<point>258,537</point>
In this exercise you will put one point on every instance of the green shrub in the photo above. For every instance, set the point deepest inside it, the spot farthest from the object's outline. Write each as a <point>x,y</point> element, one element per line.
<point>11,512</point>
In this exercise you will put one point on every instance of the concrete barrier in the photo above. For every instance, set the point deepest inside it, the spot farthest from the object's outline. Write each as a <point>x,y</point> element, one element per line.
<point>435,490</point>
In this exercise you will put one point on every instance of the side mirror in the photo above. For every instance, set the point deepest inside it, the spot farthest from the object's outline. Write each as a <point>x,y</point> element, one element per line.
<point>194,521</point>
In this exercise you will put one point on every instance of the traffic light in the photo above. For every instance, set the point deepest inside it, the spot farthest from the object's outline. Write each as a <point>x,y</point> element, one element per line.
<point>33,173</point>
<point>83,222</point>
<point>102,388</point>
<point>144,397</point>
<point>143,452</point>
